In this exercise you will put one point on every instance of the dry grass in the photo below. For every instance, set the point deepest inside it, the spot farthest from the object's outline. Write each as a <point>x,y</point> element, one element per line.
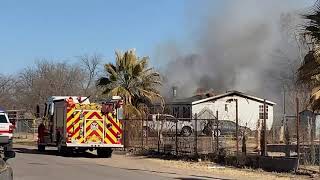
<point>230,172</point>
<point>27,143</point>
<point>25,139</point>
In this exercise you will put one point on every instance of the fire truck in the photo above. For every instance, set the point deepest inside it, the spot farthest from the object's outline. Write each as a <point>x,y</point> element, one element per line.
<point>73,124</point>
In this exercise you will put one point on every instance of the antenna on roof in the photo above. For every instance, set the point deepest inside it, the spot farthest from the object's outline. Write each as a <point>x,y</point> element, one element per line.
<point>174,91</point>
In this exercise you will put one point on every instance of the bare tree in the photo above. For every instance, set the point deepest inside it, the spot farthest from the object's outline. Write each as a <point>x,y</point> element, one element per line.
<point>36,84</point>
<point>6,91</point>
<point>90,66</point>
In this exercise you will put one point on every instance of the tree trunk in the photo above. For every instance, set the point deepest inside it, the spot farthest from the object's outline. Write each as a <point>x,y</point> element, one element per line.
<point>287,140</point>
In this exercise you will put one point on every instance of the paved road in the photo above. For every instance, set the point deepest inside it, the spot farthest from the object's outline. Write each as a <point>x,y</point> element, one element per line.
<point>30,165</point>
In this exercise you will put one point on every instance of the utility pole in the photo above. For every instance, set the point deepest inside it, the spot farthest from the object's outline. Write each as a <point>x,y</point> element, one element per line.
<point>217,131</point>
<point>264,144</point>
<point>176,143</point>
<point>196,134</point>
<point>158,128</point>
<point>237,130</point>
<point>319,151</point>
<point>284,103</point>
<point>284,122</point>
<point>142,133</point>
<point>298,126</point>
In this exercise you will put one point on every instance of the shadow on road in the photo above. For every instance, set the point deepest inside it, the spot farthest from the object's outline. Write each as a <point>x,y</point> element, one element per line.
<point>182,178</point>
<point>53,152</point>
<point>193,177</point>
<point>34,151</point>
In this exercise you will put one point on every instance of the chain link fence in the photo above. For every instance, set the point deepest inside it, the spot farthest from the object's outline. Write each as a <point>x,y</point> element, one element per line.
<point>192,136</point>
<point>25,129</point>
<point>221,140</point>
<point>215,139</point>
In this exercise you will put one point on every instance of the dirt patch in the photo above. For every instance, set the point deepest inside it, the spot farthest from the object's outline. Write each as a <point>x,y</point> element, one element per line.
<point>193,170</point>
<point>208,166</point>
<point>226,171</point>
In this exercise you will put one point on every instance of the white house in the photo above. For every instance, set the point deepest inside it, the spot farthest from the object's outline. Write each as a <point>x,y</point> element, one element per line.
<point>250,108</point>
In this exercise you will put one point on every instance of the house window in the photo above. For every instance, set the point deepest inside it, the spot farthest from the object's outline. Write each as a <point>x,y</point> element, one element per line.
<point>186,112</point>
<point>226,107</point>
<point>175,112</point>
<point>261,112</point>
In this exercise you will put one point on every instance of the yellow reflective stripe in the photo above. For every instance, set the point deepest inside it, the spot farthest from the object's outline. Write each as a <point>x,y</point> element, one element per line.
<point>77,115</point>
<point>106,140</point>
<point>76,134</point>
<point>70,112</point>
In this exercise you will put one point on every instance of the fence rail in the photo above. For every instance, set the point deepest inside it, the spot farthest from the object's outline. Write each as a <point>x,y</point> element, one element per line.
<point>191,136</point>
<point>197,137</point>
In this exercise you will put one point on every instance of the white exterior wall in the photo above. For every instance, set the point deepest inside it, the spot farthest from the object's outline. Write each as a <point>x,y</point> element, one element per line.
<point>317,126</point>
<point>248,111</point>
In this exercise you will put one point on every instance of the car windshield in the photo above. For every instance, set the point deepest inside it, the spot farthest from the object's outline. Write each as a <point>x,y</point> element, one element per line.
<point>3,118</point>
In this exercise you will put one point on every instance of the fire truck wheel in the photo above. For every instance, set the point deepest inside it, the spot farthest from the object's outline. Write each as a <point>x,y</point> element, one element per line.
<point>104,152</point>
<point>65,151</point>
<point>8,147</point>
<point>41,148</point>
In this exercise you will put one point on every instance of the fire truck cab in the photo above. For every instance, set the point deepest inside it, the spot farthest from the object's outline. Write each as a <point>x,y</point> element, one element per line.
<point>74,124</point>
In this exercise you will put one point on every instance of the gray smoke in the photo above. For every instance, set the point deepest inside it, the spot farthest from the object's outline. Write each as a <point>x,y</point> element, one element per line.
<point>247,45</point>
<point>238,48</point>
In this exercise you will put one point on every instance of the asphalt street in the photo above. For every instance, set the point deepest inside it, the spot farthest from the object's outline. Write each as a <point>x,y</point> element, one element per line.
<point>32,165</point>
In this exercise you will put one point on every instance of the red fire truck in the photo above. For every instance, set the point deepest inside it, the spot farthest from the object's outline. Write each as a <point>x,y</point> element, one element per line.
<point>74,124</point>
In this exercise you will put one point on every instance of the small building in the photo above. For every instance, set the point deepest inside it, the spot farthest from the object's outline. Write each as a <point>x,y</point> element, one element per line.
<point>250,108</point>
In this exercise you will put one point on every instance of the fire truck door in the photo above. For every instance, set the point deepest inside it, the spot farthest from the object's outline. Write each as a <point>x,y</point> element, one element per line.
<point>93,127</point>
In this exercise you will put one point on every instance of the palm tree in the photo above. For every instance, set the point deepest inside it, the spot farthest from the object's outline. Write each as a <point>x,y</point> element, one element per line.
<point>131,78</point>
<point>309,71</point>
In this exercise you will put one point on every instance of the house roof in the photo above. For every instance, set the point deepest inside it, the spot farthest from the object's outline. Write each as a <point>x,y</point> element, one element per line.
<point>188,100</point>
<point>232,93</point>
<point>305,111</point>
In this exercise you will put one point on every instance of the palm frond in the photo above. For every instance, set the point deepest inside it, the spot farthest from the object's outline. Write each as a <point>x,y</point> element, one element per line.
<point>131,78</point>
<point>111,70</point>
<point>131,111</point>
<point>103,81</point>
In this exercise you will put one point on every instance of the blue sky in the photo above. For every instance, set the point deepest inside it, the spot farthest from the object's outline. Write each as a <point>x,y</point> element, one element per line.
<point>62,30</point>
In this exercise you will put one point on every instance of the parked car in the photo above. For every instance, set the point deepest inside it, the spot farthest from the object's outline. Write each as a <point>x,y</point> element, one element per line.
<point>166,124</point>
<point>225,127</point>
<point>6,132</point>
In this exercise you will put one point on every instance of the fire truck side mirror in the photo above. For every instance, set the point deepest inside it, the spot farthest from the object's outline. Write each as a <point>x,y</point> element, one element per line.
<point>37,111</point>
<point>45,109</point>
<point>51,109</point>
<point>120,113</point>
